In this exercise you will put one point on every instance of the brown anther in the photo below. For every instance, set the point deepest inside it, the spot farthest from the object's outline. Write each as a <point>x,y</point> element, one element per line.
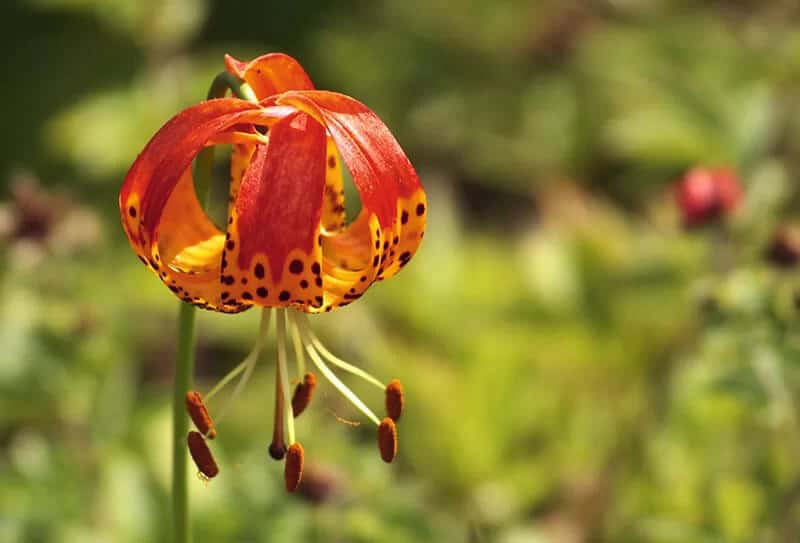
<point>303,393</point>
<point>201,454</point>
<point>293,470</point>
<point>394,399</point>
<point>199,414</point>
<point>277,450</point>
<point>387,440</point>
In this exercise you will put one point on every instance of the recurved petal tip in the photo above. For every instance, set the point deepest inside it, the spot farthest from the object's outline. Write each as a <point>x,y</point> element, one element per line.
<point>394,399</point>
<point>387,440</point>
<point>293,471</point>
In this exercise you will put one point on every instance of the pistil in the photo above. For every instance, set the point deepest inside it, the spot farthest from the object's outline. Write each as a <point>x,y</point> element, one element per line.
<point>277,448</point>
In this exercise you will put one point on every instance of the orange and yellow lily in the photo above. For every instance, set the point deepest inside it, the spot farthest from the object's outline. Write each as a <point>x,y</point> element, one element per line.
<point>287,242</point>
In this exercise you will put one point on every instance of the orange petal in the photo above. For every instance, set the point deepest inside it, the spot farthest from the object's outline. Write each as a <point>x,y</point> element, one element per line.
<point>270,74</point>
<point>381,171</point>
<point>272,253</point>
<point>333,210</point>
<point>387,183</point>
<point>160,212</point>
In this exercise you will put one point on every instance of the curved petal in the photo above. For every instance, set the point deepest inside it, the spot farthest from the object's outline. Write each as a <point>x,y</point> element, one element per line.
<point>272,253</point>
<point>333,211</point>
<point>160,212</point>
<point>270,74</point>
<point>386,181</point>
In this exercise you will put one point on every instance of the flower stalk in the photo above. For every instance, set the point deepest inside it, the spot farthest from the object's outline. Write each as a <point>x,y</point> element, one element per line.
<point>184,360</point>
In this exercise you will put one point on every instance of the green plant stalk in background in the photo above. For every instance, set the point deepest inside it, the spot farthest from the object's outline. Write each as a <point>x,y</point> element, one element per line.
<point>184,360</point>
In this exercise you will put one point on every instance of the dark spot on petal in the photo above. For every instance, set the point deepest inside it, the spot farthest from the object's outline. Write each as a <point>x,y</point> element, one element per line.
<point>318,281</point>
<point>247,296</point>
<point>224,295</point>
<point>262,292</point>
<point>259,271</point>
<point>375,261</point>
<point>132,211</point>
<point>296,267</point>
<point>303,284</point>
<point>363,278</point>
<point>230,245</point>
<point>331,162</point>
<point>404,217</point>
<point>284,295</point>
<point>315,269</point>
<point>420,209</point>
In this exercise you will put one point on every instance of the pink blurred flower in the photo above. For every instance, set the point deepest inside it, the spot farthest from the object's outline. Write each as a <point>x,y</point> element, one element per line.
<point>706,195</point>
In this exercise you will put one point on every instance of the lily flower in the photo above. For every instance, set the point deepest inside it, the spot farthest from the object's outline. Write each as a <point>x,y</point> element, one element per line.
<point>287,243</point>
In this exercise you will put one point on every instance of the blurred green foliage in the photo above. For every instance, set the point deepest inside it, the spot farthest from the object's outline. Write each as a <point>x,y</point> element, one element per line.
<point>577,367</point>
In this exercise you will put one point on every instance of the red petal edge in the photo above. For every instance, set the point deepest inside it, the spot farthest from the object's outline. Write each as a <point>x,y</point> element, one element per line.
<point>381,171</point>
<point>170,152</point>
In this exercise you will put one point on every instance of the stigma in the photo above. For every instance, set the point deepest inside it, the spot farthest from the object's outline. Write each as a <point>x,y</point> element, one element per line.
<point>294,390</point>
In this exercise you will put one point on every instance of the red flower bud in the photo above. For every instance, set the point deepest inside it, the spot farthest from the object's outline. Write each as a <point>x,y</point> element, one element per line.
<point>706,195</point>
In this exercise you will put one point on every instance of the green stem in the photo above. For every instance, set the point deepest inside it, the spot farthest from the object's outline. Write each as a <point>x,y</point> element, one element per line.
<point>184,363</point>
<point>184,370</point>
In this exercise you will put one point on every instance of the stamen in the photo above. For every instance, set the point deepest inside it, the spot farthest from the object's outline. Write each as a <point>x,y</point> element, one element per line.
<point>333,359</point>
<point>201,454</point>
<point>303,393</point>
<point>293,470</point>
<point>330,376</point>
<point>394,399</point>
<point>277,448</point>
<point>387,440</point>
<point>284,374</point>
<point>248,364</point>
<point>299,354</point>
<point>225,380</point>
<point>199,414</point>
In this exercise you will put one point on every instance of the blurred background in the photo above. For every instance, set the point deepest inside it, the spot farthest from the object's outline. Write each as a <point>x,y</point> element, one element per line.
<point>579,366</point>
